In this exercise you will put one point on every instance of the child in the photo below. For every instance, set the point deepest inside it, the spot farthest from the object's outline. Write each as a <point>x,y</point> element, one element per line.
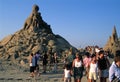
<point>93,69</point>
<point>67,73</point>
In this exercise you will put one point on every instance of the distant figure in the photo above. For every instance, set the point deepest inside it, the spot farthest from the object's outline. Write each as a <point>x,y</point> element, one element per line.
<point>32,65</point>
<point>50,58</point>
<point>65,58</point>
<point>70,58</point>
<point>114,71</point>
<point>38,55</point>
<point>67,73</point>
<point>45,61</point>
<point>37,58</point>
<point>93,69</point>
<point>55,61</point>
<point>78,68</point>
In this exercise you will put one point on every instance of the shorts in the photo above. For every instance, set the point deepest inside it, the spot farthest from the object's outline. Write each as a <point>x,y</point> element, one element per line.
<point>93,75</point>
<point>32,68</point>
<point>104,73</point>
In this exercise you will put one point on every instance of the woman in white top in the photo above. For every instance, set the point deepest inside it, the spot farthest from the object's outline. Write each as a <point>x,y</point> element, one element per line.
<point>93,69</point>
<point>67,73</point>
<point>32,65</point>
<point>78,68</point>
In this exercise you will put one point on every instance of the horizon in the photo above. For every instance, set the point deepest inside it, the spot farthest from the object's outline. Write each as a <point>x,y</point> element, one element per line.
<point>81,23</point>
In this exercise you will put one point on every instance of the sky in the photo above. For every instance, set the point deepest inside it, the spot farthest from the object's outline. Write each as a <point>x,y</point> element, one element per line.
<point>80,22</point>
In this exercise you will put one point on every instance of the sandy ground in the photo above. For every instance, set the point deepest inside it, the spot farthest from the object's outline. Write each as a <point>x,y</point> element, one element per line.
<point>15,74</point>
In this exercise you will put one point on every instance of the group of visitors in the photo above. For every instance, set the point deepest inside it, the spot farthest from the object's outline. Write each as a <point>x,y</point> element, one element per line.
<point>51,60</point>
<point>96,66</point>
<point>34,67</point>
<point>73,66</point>
<point>34,62</point>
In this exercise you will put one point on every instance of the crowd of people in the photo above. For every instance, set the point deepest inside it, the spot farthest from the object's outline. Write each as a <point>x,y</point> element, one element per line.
<point>94,65</point>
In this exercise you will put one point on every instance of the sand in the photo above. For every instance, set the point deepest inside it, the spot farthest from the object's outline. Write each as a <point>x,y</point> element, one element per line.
<point>12,73</point>
<point>17,76</point>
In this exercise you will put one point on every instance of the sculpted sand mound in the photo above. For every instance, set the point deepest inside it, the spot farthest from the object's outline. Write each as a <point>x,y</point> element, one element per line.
<point>36,35</point>
<point>113,42</point>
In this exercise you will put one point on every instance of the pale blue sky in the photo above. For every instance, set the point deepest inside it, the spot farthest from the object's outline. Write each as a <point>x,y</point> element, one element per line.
<point>80,22</point>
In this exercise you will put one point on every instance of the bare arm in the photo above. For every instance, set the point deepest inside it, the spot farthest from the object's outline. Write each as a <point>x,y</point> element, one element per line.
<point>30,59</point>
<point>73,64</point>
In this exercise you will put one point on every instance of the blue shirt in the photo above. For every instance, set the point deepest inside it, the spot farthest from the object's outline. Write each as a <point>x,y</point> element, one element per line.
<point>114,71</point>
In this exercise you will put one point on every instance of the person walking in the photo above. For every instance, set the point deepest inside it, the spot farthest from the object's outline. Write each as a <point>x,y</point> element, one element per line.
<point>67,73</point>
<point>86,62</point>
<point>93,69</point>
<point>55,61</point>
<point>70,57</point>
<point>77,68</point>
<point>103,66</point>
<point>37,58</point>
<point>45,61</point>
<point>32,65</point>
<point>114,71</point>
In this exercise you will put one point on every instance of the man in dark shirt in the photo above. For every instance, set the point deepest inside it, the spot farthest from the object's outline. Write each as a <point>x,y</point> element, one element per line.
<point>102,65</point>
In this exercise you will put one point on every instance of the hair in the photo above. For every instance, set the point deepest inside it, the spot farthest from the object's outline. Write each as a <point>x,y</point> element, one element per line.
<point>101,52</point>
<point>78,54</point>
<point>31,54</point>
<point>117,53</point>
<point>67,66</point>
<point>116,59</point>
<point>37,52</point>
<point>87,54</point>
<point>93,55</point>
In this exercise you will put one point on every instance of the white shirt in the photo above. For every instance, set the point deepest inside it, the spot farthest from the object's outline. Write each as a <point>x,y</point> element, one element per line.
<point>78,64</point>
<point>93,67</point>
<point>67,73</point>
